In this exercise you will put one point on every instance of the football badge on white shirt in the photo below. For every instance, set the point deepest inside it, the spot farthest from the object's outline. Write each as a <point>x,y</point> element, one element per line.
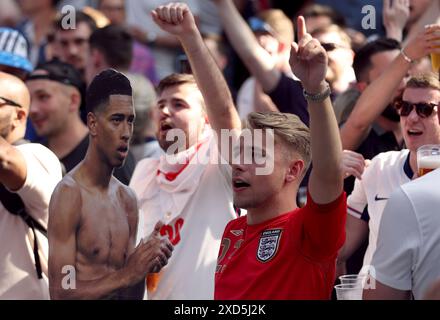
<point>268,245</point>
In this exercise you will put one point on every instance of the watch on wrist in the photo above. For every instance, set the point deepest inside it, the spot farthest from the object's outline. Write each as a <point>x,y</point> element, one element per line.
<point>318,97</point>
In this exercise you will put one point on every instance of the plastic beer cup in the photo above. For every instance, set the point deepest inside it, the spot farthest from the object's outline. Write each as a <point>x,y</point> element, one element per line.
<point>428,159</point>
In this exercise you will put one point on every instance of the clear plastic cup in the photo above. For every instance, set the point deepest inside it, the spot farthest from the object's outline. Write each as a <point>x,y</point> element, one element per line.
<point>359,279</point>
<point>350,291</point>
<point>428,159</point>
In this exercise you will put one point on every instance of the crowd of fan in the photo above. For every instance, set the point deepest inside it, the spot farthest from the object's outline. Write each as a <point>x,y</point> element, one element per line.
<point>384,92</point>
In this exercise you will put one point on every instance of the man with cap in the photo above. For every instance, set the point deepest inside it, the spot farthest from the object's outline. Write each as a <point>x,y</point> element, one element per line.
<point>57,92</point>
<point>28,175</point>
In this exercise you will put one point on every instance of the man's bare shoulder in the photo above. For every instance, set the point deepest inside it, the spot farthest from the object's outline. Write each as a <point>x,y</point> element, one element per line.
<point>127,196</point>
<point>68,191</point>
<point>65,208</point>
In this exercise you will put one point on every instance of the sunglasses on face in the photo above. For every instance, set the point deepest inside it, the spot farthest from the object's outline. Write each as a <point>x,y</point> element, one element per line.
<point>8,102</point>
<point>423,109</point>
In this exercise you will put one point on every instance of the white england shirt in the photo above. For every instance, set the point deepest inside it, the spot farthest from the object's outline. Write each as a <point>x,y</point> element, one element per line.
<point>387,172</point>
<point>195,207</point>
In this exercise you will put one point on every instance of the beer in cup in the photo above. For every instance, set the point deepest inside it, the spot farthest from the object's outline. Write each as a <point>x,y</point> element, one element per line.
<point>428,159</point>
<point>435,60</point>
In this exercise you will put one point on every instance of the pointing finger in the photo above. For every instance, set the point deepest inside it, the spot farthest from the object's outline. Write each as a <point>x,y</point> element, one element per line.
<point>302,30</point>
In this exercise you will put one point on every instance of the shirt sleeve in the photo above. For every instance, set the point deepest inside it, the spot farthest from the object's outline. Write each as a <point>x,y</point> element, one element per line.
<point>357,201</point>
<point>323,228</point>
<point>397,242</point>
<point>43,175</point>
<point>288,97</point>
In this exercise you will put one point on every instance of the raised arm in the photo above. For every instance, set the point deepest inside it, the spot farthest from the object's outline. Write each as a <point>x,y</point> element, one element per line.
<point>64,220</point>
<point>257,60</point>
<point>177,19</point>
<point>309,63</point>
<point>395,17</point>
<point>378,94</point>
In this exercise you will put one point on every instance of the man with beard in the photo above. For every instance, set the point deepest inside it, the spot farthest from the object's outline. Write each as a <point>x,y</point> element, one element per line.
<point>377,97</point>
<point>383,132</point>
<point>93,217</point>
<point>28,175</point>
<point>189,189</point>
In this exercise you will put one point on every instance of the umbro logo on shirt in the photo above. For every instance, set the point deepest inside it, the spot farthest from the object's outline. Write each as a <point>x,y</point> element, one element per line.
<point>237,233</point>
<point>377,198</point>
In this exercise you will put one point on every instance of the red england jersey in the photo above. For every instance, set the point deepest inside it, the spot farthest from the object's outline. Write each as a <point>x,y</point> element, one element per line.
<point>291,257</point>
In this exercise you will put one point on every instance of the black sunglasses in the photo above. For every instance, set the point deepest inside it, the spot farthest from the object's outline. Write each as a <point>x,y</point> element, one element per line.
<point>10,103</point>
<point>423,109</point>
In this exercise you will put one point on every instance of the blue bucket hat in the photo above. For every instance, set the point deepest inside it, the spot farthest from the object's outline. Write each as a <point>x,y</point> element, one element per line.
<point>14,50</point>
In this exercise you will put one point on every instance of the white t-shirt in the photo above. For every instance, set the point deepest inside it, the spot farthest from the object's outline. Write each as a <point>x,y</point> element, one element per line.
<point>386,173</point>
<point>408,245</point>
<point>18,277</point>
<point>195,208</point>
<point>138,14</point>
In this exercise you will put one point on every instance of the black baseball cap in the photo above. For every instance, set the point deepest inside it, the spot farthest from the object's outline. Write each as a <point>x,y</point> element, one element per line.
<point>56,70</point>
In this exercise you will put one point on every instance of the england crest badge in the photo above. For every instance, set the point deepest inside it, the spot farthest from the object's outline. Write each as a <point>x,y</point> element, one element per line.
<point>268,245</point>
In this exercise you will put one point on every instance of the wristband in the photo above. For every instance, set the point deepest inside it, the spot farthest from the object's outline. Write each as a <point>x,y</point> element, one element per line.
<point>319,96</point>
<point>407,59</point>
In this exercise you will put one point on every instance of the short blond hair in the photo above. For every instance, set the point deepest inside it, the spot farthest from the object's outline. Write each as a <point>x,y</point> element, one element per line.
<point>288,128</point>
<point>428,80</point>
<point>280,23</point>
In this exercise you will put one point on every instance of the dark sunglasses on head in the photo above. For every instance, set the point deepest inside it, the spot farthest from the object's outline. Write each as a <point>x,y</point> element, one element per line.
<point>423,109</point>
<point>9,103</point>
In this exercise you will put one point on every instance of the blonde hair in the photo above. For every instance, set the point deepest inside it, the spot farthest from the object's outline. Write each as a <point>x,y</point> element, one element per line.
<point>279,22</point>
<point>288,128</point>
<point>428,80</point>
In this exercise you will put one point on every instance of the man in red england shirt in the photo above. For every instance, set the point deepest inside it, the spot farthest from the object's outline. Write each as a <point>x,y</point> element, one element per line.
<point>279,251</point>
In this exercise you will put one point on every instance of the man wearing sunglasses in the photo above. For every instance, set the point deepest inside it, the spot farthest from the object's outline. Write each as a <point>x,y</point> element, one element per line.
<point>337,43</point>
<point>28,176</point>
<point>420,125</point>
<point>406,260</point>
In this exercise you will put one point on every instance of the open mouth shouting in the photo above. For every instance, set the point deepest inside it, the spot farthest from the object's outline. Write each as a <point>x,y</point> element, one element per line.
<point>239,184</point>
